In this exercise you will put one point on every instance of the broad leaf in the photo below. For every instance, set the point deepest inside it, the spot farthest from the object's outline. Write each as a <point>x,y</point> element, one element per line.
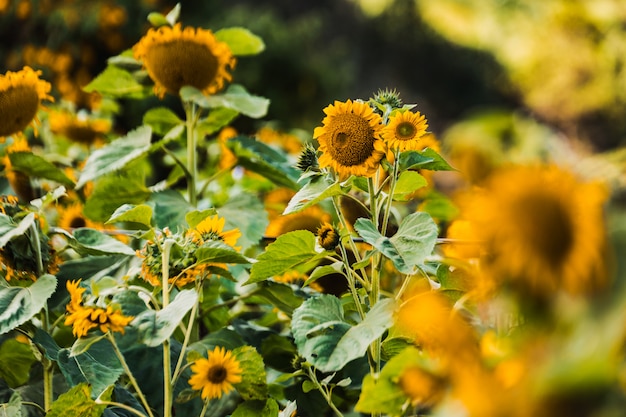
<point>156,327</point>
<point>246,213</point>
<point>116,155</point>
<point>112,192</point>
<point>415,238</point>
<point>370,234</point>
<point>170,208</point>
<point>20,304</point>
<point>10,230</point>
<point>161,120</point>
<point>253,385</point>
<point>116,82</point>
<point>426,159</point>
<point>287,252</point>
<point>16,358</point>
<point>78,402</point>
<point>241,41</point>
<point>196,216</point>
<point>93,242</point>
<point>235,98</point>
<point>140,214</point>
<point>257,408</point>
<point>313,192</point>
<point>216,251</point>
<point>38,167</point>
<point>217,119</point>
<point>13,408</point>
<point>408,183</point>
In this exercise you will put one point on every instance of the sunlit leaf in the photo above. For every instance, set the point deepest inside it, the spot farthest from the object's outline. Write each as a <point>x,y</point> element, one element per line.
<point>257,408</point>
<point>93,242</point>
<point>245,212</point>
<point>116,82</point>
<point>287,252</point>
<point>161,120</point>
<point>140,214</point>
<point>112,192</point>
<point>241,41</point>
<point>116,155</point>
<point>78,402</point>
<point>20,304</point>
<point>196,216</point>
<point>408,183</point>
<point>37,167</point>
<point>370,234</point>
<point>253,385</point>
<point>236,97</point>
<point>217,119</point>
<point>415,238</point>
<point>313,192</point>
<point>426,159</point>
<point>216,251</point>
<point>170,209</point>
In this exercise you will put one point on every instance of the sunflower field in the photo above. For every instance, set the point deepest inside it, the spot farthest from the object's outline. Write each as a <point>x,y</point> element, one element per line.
<point>176,242</point>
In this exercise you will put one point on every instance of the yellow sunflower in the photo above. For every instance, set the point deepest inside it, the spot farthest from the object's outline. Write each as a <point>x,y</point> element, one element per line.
<point>212,228</point>
<point>79,128</point>
<point>350,139</point>
<point>404,131</point>
<point>72,217</point>
<point>216,375</point>
<point>175,57</point>
<point>21,94</point>
<point>543,228</point>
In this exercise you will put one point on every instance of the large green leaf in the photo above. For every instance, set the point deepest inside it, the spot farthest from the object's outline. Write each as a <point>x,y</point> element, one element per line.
<point>280,296</point>
<point>93,242</point>
<point>38,167</point>
<point>287,252</point>
<point>426,159</point>
<point>235,98</point>
<point>161,120</point>
<point>99,366</point>
<point>246,213</point>
<point>16,358</point>
<point>157,326</point>
<point>116,155</point>
<point>264,160</point>
<point>241,41</point>
<point>217,119</point>
<point>20,304</point>
<point>257,408</point>
<point>313,192</point>
<point>116,82</point>
<point>216,251</point>
<point>10,230</point>
<point>370,234</point>
<point>253,385</point>
<point>113,191</point>
<point>140,214</point>
<point>326,340</point>
<point>170,209</point>
<point>78,402</point>
<point>408,183</point>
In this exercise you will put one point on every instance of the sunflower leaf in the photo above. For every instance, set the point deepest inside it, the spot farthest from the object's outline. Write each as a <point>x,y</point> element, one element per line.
<point>38,167</point>
<point>78,402</point>
<point>236,97</point>
<point>257,408</point>
<point>140,214</point>
<point>241,41</point>
<point>216,251</point>
<point>426,159</point>
<point>416,238</point>
<point>117,83</point>
<point>367,230</point>
<point>253,385</point>
<point>93,242</point>
<point>287,252</point>
<point>315,191</point>
<point>19,304</point>
<point>408,183</point>
<point>161,120</point>
<point>11,230</point>
<point>16,359</point>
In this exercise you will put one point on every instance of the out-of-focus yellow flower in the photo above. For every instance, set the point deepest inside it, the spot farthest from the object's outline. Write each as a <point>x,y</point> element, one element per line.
<point>216,375</point>
<point>175,57</point>
<point>79,128</point>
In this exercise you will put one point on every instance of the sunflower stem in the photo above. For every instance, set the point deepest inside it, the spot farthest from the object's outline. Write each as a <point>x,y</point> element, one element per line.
<point>205,407</point>
<point>167,366</point>
<point>374,294</point>
<point>323,390</point>
<point>130,375</point>
<point>190,326</point>
<point>192,169</point>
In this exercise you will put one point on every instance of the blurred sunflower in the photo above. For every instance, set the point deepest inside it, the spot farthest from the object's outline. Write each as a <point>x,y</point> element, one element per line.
<point>216,375</point>
<point>350,139</point>
<point>84,318</point>
<point>543,228</point>
<point>404,131</point>
<point>78,127</point>
<point>72,217</point>
<point>19,182</point>
<point>175,57</point>
<point>21,94</point>
<point>423,388</point>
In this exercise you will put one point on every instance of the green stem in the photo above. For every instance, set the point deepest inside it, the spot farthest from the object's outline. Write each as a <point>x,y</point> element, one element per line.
<point>32,404</point>
<point>190,325</point>
<point>191,118</point>
<point>130,375</point>
<point>327,396</point>
<point>205,407</point>
<point>167,366</point>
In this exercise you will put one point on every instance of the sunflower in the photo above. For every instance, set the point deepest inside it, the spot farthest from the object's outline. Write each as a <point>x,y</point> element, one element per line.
<point>543,228</point>
<point>21,94</point>
<point>212,228</point>
<point>20,182</point>
<point>350,139</point>
<point>72,217</point>
<point>79,128</point>
<point>404,131</point>
<point>84,318</point>
<point>423,388</point>
<point>175,57</point>
<point>327,236</point>
<point>216,375</point>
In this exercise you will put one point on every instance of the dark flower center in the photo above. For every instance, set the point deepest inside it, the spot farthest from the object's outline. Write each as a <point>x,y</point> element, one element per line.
<point>352,139</point>
<point>405,131</point>
<point>18,107</point>
<point>178,63</point>
<point>217,374</point>
<point>77,222</point>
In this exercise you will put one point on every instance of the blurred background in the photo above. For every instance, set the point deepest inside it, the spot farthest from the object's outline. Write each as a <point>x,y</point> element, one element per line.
<point>504,67</point>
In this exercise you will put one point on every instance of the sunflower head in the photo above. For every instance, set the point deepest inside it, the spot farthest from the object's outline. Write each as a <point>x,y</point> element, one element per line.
<point>350,139</point>
<point>307,161</point>
<point>215,375</point>
<point>327,236</point>
<point>175,57</point>
<point>21,94</point>
<point>422,387</point>
<point>404,132</point>
<point>543,230</point>
<point>78,127</point>
<point>212,228</point>
<point>388,98</point>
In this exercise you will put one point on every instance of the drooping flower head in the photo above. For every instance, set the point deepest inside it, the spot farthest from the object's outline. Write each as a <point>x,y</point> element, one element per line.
<point>21,94</point>
<point>404,132</point>
<point>543,229</point>
<point>215,375</point>
<point>327,236</point>
<point>350,139</point>
<point>79,128</point>
<point>84,317</point>
<point>175,57</point>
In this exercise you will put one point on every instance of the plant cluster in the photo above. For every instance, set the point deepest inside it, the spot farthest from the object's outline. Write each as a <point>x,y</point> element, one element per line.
<point>185,268</point>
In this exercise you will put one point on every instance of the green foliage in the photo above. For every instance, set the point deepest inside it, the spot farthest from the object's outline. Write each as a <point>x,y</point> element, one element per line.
<point>93,242</point>
<point>257,408</point>
<point>235,98</point>
<point>130,213</point>
<point>37,167</point>
<point>241,41</point>
<point>116,82</point>
<point>78,402</point>
<point>316,190</point>
<point>18,304</point>
<point>253,385</point>
<point>16,359</point>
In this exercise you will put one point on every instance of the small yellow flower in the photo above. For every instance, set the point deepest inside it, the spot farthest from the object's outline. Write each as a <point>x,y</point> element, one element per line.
<point>350,139</point>
<point>21,94</point>
<point>212,228</point>
<point>216,375</point>
<point>404,131</point>
<point>175,57</point>
<point>78,128</point>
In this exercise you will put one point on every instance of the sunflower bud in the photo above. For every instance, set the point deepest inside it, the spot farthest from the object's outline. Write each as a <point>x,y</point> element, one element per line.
<point>389,98</point>
<point>327,236</point>
<point>308,159</point>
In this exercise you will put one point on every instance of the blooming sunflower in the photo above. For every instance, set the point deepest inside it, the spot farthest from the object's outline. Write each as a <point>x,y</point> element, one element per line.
<point>175,57</point>
<point>543,229</point>
<point>84,318</point>
<point>79,128</point>
<point>21,94</point>
<point>404,131</point>
<point>350,139</point>
<point>216,375</point>
<point>72,217</point>
<point>212,228</point>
